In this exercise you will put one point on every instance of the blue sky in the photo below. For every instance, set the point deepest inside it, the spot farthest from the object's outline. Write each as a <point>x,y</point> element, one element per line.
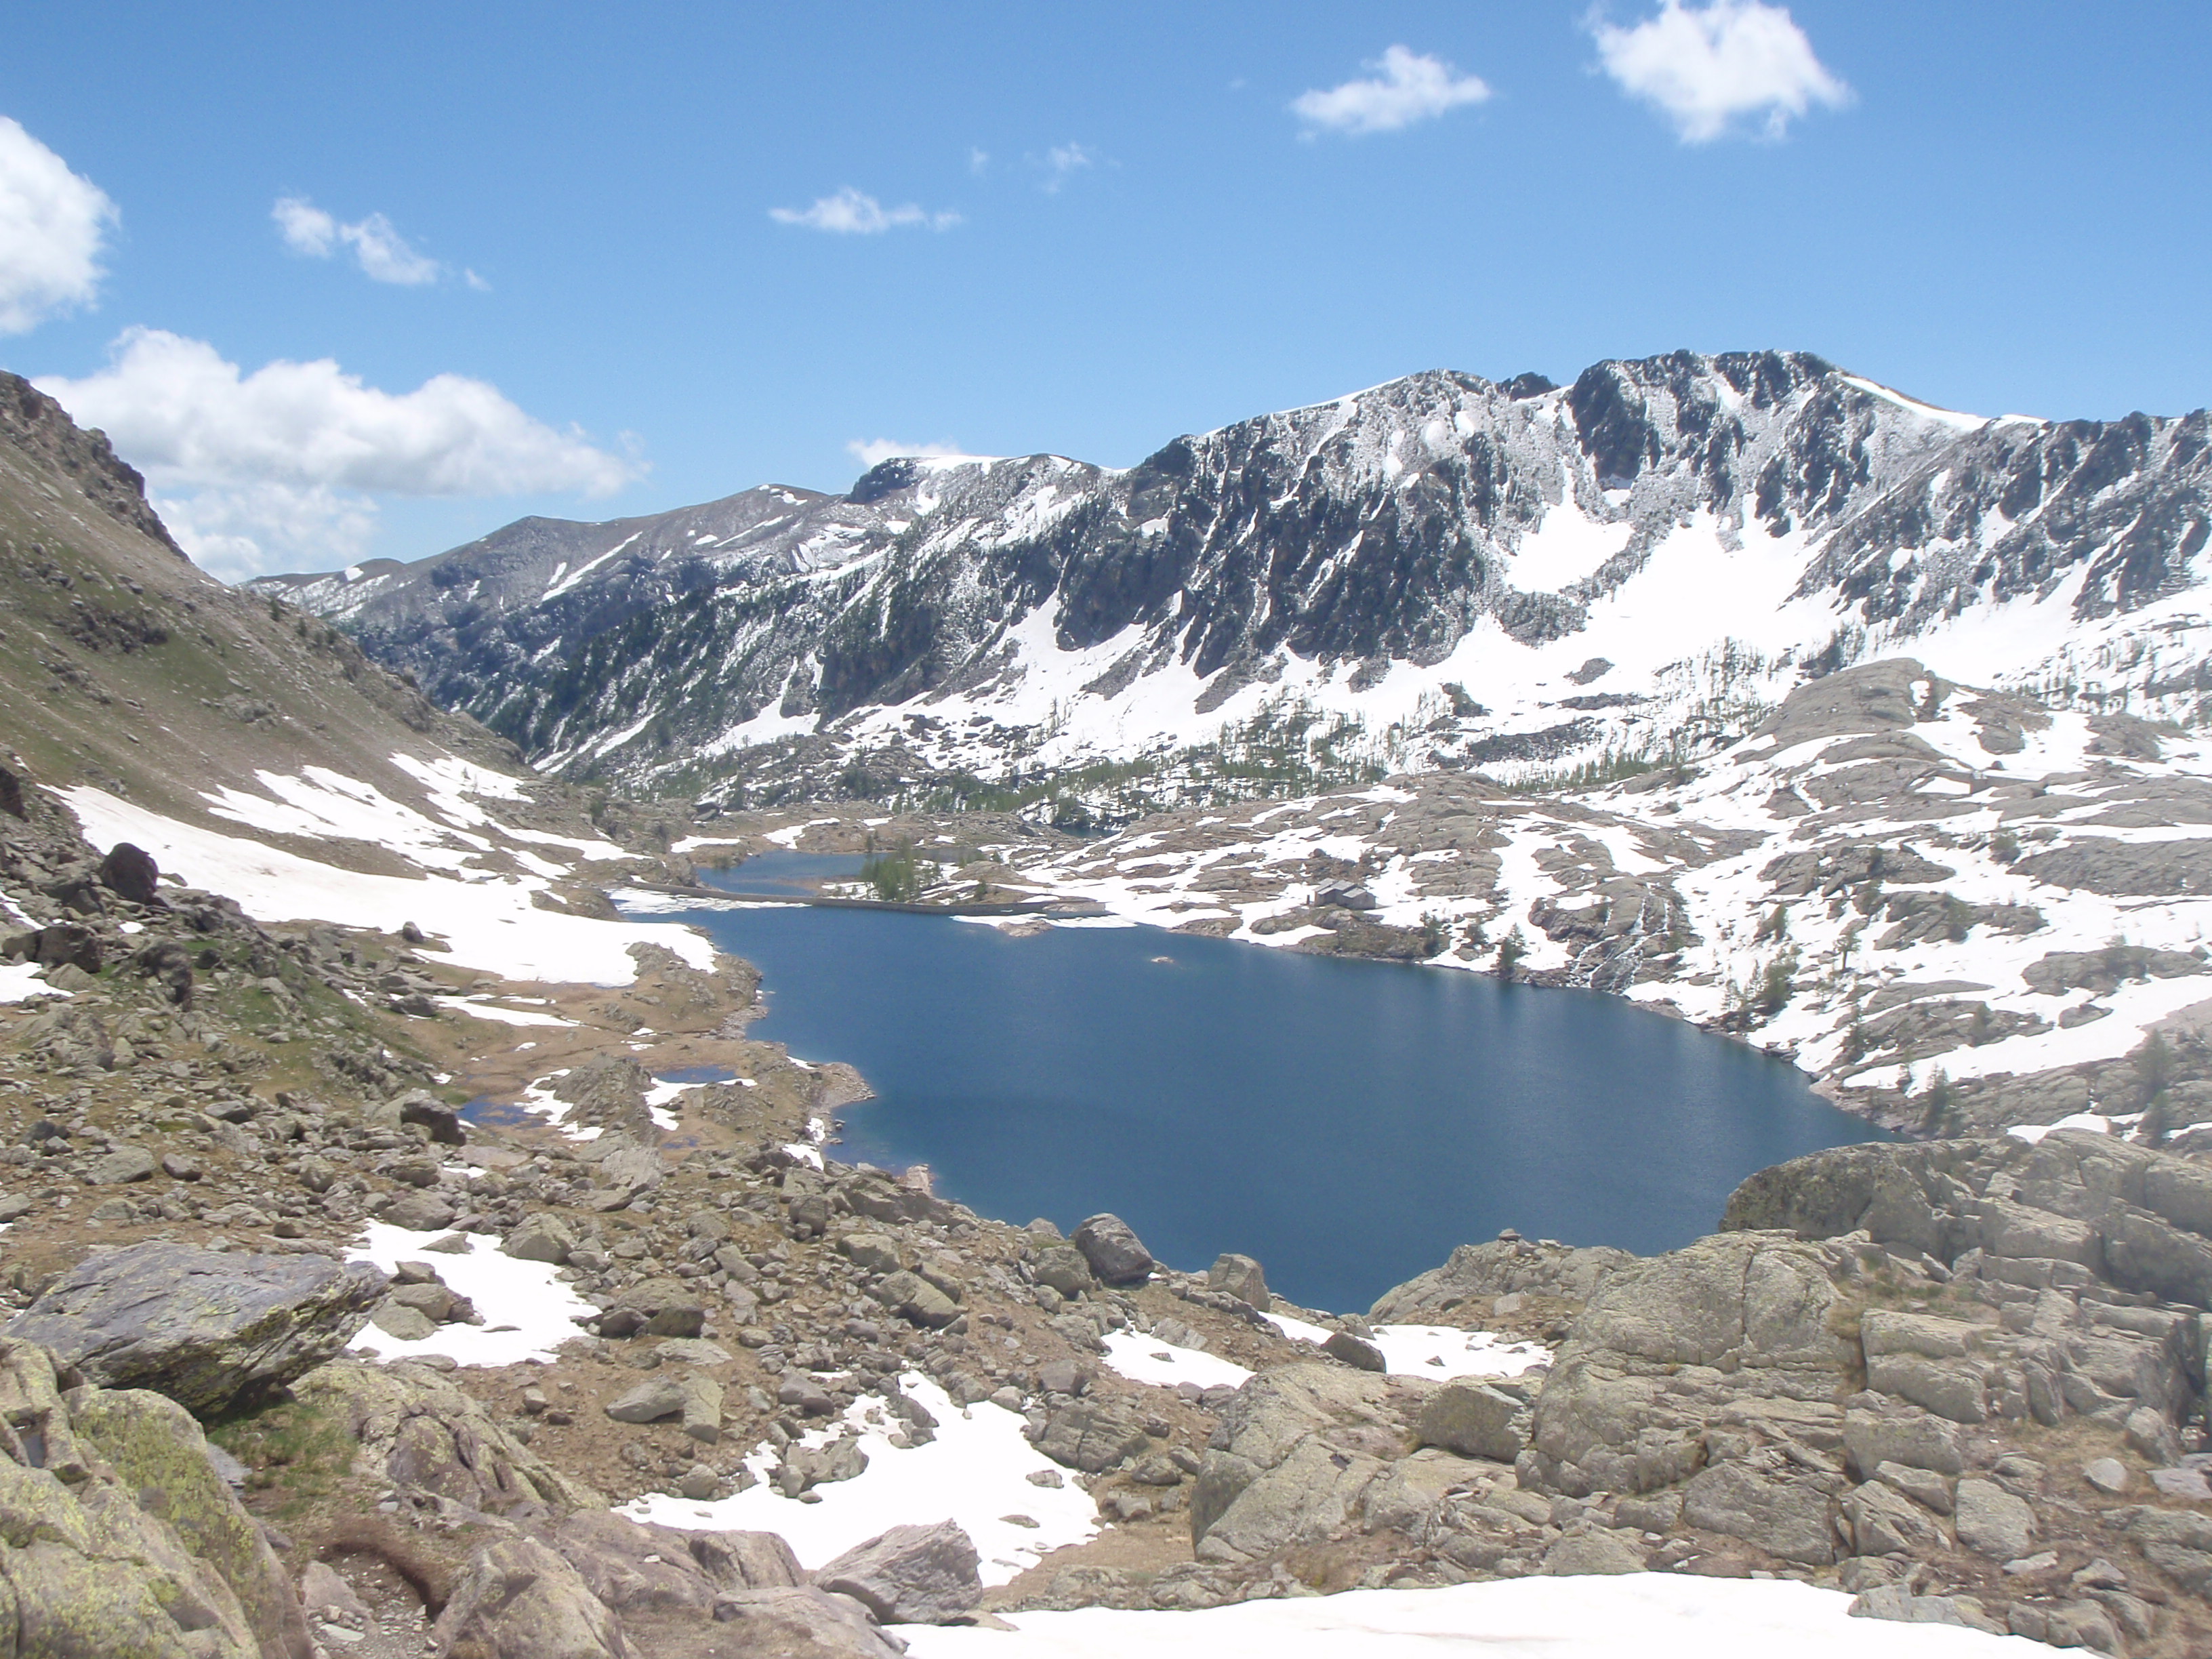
<point>1101,226</point>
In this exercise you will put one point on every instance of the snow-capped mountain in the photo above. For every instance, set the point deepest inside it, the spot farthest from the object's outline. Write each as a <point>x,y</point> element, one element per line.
<point>1440,572</point>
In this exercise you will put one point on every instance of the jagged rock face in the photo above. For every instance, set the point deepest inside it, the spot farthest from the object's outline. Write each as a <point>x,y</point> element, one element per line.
<point>1384,526</point>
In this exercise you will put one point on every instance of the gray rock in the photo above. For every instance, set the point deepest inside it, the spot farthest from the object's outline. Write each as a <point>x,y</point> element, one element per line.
<point>1785,1510</point>
<point>910,1575</point>
<point>917,1299</point>
<point>403,1323</point>
<point>1872,1439</point>
<point>542,1237</point>
<point>703,1409</point>
<point>1923,1487</point>
<point>877,1252</point>
<point>1884,1521</point>
<point>516,1596</point>
<point>125,1163</point>
<point>2107,1474</point>
<point>1355,1352</point>
<point>2179,1543</point>
<point>1899,1603</point>
<point>1114,1253</point>
<point>205,1328</point>
<point>1992,1522</point>
<point>1242,1277</point>
<point>419,1212</point>
<point>1474,1420</point>
<point>1596,1552</point>
<point>1292,1461</point>
<point>1089,1435</point>
<point>2149,1433</point>
<point>1065,1269</point>
<point>653,1400</point>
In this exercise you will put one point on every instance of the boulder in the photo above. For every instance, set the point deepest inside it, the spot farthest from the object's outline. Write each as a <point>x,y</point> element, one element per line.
<point>1355,1352</point>
<point>876,1252</point>
<point>542,1236</point>
<point>516,1599</point>
<point>653,1400</point>
<point>125,1163</point>
<point>637,1569</point>
<point>1297,1451</point>
<point>1114,1253</point>
<point>205,1327</point>
<point>1242,1277</point>
<point>419,1212</point>
<point>1474,1420</point>
<point>129,873</point>
<point>919,1301</point>
<point>1872,1439</point>
<point>1065,1269</point>
<point>910,1575</point>
<point>1089,1435</point>
<point>1991,1521</point>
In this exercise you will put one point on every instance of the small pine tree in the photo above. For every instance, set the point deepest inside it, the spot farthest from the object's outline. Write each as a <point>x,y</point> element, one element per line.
<point>1940,1111</point>
<point>1510,950</point>
<point>1776,924</point>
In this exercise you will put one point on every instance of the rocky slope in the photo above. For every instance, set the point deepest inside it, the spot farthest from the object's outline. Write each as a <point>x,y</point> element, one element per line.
<point>1436,574</point>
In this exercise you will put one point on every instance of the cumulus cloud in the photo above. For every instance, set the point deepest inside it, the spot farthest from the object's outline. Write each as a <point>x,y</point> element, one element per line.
<point>377,248</point>
<point>176,408</point>
<point>52,225</point>
<point>240,531</point>
<point>1403,87</point>
<point>854,213</point>
<point>273,464</point>
<point>1704,67</point>
<point>873,452</point>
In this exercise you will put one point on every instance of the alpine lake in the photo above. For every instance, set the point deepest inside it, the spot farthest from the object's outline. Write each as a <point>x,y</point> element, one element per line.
<point>1347,1123</point>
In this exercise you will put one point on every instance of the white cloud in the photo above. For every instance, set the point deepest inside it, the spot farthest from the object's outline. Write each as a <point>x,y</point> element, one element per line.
<point>379,249</point>
<point>1062,161</point>
<point>979,161</point>
<point>854,213</point>
<point>1405,87</point>
<point>237,532</point>
<point>52,222</point>
<point>1702,67</point>
<point>253,466</point>
<point>873,452</point>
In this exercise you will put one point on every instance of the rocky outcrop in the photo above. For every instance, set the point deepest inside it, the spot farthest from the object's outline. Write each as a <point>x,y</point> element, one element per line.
<point>441,1450</point>
<point>118,1538</point>
<point>602,1587</point>
<point>203,1327</point>
<point>1510,1267</point>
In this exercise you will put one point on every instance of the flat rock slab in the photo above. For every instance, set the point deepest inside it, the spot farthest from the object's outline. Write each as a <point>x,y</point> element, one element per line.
<point>203,1327</point>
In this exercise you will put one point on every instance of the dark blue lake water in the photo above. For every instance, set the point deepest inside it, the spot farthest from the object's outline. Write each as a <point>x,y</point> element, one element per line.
<point>1346,1122</point>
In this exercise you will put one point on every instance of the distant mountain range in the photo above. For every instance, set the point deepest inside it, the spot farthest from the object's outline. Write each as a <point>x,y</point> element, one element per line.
<point>1440,572</point>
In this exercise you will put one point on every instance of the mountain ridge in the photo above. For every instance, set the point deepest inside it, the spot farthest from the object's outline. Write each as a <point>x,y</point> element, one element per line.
<point>1403,556</point>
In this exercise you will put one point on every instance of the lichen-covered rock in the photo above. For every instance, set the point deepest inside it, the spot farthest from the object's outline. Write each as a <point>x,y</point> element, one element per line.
<point>117,1540</point>
<point>203,1327</point>
<point>429,1438</point>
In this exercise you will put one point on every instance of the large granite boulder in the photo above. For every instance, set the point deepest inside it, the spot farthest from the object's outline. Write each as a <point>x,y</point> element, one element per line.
<point>1114,1252</point>
<point>203,1327</point>
<point>120,1538</point>
<point>910,1575</point>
